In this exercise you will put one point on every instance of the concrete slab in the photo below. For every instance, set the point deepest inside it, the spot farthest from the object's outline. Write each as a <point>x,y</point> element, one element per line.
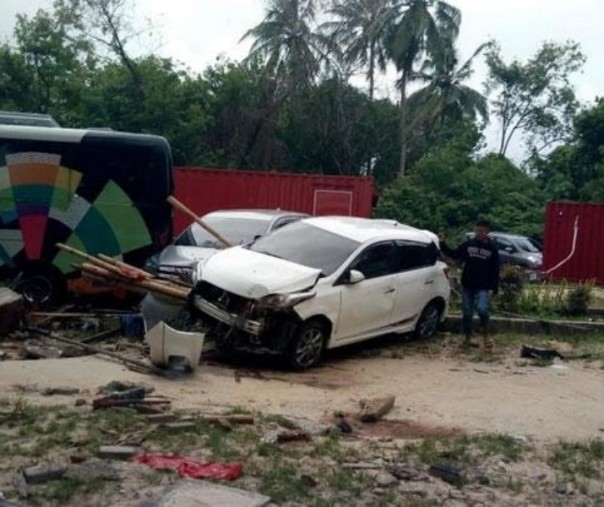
<point>207,494</point>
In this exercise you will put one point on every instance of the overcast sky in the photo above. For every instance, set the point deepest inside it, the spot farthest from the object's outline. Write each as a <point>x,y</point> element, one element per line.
<point>197,32</point>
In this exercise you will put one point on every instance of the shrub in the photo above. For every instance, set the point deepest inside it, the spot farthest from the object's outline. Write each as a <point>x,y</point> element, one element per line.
<point>511,289</point>
<point>576,303</point>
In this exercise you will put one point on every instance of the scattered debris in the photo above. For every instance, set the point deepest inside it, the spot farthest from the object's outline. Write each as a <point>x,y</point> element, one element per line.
<point>292,436</point>
<point>93,469</point>
<point>207,493</point>
<point>123,275</point>
<point>446,472</point>
<point>80,402</point>
<point>60,391</point>
<point>101,337</point>
<point>179,427</point>
<point>187,467</point>
<point>118,452</point>
<point>374,410</point>
<point>43,473</point>
<point>33,352</point>
<point>126,360</point>
<point>540,353</point>
<point>169,346</point>
<point>343,425</point>
<point>231,419</point>
<point>12,311</point>
<point>385,479</point>
<point>564,488</point>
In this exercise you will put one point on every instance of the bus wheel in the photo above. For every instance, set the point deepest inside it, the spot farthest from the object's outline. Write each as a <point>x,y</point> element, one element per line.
<point>42,287</point>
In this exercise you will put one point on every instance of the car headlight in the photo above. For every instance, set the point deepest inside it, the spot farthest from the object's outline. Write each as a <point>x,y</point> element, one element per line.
<point>285,300</point>
<point>534,260</point>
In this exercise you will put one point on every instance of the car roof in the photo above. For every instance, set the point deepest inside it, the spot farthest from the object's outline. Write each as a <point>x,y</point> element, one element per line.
<point>366,229</point>
<point>254,214</point>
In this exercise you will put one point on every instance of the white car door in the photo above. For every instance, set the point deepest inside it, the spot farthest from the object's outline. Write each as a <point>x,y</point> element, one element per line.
<point>417,281</point>
<point>367,306</point>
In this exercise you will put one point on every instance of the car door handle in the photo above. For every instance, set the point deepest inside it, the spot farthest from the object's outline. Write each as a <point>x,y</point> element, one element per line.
<point>390,291</point>
<point>429,282</point>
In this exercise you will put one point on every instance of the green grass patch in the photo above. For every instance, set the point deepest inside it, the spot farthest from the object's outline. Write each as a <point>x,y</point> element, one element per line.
<point>282,484</point>
<point>579,459</point>
<point>464,450</point>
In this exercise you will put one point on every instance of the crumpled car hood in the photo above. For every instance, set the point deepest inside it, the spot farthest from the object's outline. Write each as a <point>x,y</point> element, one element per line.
<point>254,275</point>
<point>185,256</point>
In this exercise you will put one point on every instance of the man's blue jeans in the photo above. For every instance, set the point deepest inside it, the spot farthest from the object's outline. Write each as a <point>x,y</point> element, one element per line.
<point>478,299</point>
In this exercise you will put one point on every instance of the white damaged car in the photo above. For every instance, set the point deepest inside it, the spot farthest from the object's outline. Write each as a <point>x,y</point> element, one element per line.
<point>323,283</point>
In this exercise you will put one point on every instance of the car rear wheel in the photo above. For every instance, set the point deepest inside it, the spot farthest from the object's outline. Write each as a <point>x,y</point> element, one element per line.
<point>306,348</point>
<point>42,287</point>
<point>427,325</point>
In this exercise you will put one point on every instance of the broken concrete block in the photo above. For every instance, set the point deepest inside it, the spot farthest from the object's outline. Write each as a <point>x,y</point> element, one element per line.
<point>162,418</point>
<point>374,410</point>
<point>206,494</point>
<point>118,452</point>
<point>43,473</point>
<point>12,311</point>
<point>32,352</point>
<point>93,469</point>
<point>60,391</point>
<point>307,425</point>
<point>180,427</point>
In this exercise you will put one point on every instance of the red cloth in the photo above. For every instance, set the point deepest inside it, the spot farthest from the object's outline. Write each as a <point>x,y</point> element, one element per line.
<point>187,467</point>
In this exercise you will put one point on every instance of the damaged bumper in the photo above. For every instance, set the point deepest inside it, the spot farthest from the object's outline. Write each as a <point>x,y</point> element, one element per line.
<point>252,327</point>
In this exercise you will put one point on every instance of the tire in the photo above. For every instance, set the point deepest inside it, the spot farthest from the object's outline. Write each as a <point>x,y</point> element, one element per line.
<point>307,346</point>
<point>428,323</point>
<point>42,287</point>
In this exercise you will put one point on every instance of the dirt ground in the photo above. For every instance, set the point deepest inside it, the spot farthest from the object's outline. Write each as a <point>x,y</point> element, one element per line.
<point>437,389</point>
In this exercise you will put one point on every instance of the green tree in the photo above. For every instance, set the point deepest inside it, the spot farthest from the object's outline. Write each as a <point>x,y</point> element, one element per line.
<point>59,66</point>
<point>536,98</point>
<point>448,190</point>
<point>289,43</point>
<point>424,27</point>
<point>360,28</point>
<point>335,128</point>
<point>446,97</point>
<point>576,170</point>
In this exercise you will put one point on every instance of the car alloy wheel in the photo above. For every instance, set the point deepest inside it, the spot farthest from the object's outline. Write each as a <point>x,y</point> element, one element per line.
<point>427,325</point>
<point>307,347</point>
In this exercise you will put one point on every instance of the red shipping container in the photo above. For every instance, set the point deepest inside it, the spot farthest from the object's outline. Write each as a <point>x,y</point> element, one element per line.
<point>574,242</point>
<point>207,189</point>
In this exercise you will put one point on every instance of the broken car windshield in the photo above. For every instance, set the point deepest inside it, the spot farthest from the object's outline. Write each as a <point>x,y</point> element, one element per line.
<point>307,245</point>
<point>236,230</point>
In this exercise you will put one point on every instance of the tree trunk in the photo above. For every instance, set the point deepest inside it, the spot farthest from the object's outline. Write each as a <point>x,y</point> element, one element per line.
<point>372,71</point>
<point>403,161</point>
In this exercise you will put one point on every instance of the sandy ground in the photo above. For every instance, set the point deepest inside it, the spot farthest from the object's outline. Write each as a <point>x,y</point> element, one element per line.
<point>560,402</point>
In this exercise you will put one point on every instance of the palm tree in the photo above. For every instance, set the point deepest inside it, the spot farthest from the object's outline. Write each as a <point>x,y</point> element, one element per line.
<point>446,97</point>
<point>424,27</point>
<point>360,28</point>
<point>287,42</point>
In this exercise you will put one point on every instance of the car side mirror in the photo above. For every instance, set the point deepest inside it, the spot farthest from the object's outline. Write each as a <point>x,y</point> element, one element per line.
<point>355,277</point>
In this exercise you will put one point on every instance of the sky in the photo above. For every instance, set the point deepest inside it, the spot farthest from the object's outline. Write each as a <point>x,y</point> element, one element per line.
<point>198,32</point>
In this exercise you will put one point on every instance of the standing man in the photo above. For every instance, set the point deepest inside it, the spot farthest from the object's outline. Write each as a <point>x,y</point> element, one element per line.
<point>480,278</point>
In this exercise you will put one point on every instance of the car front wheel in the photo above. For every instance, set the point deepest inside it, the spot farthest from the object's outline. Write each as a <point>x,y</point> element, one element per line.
<point>427,325</point>
<point>306,348</point>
